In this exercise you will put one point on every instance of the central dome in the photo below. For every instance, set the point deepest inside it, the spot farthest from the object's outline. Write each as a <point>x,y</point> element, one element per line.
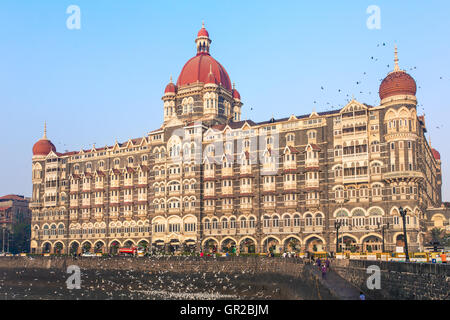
<point>197,70</point>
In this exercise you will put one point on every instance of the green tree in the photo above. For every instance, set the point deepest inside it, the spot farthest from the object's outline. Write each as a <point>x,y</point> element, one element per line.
<point>20,238</point>
<point>437,235</point>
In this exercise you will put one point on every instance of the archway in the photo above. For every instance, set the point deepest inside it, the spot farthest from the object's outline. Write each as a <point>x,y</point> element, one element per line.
<point>114,247</point>
<point>229,245</point>
<point>128,244</point>
<point>74,248</point>
<point>292,244</point>
<point>210,246</point>
<point>271,245</point>
<point>174,246</point>
<point>58,248</point>
<point>247,245</point>
<point>87,246</point>
<point>47,247</point>
<point>143,245</point>
<point>159,246</point>
<point>372,244</point>
<point>189,246</point>
<point>347,243</point>
<point>314,244</point>
<point>98,248</point>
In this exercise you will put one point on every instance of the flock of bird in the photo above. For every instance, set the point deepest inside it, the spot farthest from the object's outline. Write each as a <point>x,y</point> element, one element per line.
<point>128,284</point>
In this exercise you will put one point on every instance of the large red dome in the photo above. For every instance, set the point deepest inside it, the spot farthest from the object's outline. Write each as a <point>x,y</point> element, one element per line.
<point>43,147</point>
<point>397,83</point>
<point>197,70</point>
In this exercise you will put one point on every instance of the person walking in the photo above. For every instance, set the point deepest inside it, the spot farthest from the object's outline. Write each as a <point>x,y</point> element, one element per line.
<point>327,264</point>
<point>444,257</point>
<point>319,263</point>
<point>324,271</point>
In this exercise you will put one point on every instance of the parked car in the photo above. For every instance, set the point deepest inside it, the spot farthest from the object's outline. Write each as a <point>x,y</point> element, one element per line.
<point>88,254</point>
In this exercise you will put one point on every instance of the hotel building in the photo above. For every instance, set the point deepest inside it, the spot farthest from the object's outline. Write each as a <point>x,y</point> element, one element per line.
<point>207,179</point>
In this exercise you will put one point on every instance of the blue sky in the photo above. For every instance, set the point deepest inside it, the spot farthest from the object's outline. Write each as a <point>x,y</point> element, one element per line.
<point>105,81</point>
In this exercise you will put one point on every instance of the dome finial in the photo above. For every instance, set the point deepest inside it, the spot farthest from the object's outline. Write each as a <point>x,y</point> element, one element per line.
<point>234,86</point>
<point>203,24</point>
<point>45,130</point>
<point>396,68</point>
<point>170,78</point>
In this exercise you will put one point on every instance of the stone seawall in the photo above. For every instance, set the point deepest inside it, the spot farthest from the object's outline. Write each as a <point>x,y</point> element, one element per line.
<point>399,280</point>
<point>290,277</point>
<point>291,267</point>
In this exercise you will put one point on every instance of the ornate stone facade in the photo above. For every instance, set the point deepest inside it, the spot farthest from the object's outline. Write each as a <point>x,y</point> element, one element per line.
<point>207,179</point>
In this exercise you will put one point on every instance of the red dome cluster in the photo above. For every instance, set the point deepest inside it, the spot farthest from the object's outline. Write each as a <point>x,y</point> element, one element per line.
<point>236,94</point>
<point>203,33</point>
<point>43,147</point>
<point>436,154</point>
<point>397,83</point>
<point>170,88</point>
<point>197,70</point>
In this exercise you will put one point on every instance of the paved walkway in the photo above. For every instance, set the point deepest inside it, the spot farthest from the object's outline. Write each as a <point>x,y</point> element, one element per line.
<point>339,287</point>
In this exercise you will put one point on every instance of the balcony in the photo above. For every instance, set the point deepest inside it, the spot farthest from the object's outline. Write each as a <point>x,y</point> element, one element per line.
<point>98,215</point>
<point>269,187</point>
<point>289,165</point>
<point>312,183</point>
<point>246,189</point>
<point>99,185</point>
<point>128,183</point>
<point>269,168</point>
<point>142,197</point>
<point>227,207</point>
<point>290,185</point>
<point>246,206</point>
<point>114,199</point>
<point>227,190</point>
<point>86,187</point>
<point>115,184</point>
<point>128,214</point>
<point>98,201</point>
<point>245,170</point>
<point>356,178</point>
<point>313,229</point>
<point>312,163</point>
<point>209,174</point>
<point>174,210</point>
<point>269,205</point>
<point>209,193</point>
<point>414,175</point>
<point>312,202</point>
<point>227,172</point>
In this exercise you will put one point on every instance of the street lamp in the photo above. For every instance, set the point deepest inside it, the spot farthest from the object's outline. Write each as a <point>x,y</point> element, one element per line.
<point>403,214</point>
<point>337,225</point>
<point>383,227</point>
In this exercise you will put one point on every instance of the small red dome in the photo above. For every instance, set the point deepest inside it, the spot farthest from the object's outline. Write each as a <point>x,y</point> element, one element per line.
<point>397,83</point>
<point>170,88</point>
<point>203,33</point>
<point>436,154</point>
<point>43,147</point>
<point>197,69</point>
<point>236,94</point>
